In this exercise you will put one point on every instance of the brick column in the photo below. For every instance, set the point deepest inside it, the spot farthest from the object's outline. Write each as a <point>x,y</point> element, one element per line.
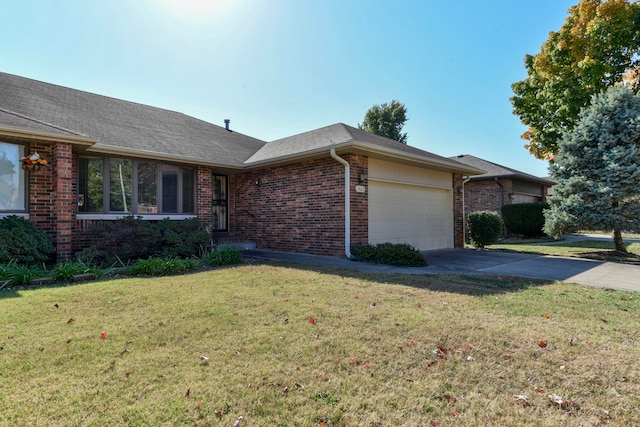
<point>204,194</point>
<point>458,215</point>
<point>359,201</point>
<point>64,201</point>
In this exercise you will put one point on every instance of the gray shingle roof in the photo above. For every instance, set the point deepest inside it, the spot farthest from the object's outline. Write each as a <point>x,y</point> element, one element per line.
<point>341,135</point>
<point>119,125</point>
<point>494,170</point>
<point>124,127</point>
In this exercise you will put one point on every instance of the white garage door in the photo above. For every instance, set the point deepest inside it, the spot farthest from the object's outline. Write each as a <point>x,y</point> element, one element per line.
<point>403,213</point>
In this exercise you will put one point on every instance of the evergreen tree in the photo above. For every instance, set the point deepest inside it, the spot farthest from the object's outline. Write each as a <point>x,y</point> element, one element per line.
<point>598,169</point>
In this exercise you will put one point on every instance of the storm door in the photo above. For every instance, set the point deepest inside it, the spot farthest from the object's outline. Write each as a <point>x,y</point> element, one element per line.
<point>220,203</point>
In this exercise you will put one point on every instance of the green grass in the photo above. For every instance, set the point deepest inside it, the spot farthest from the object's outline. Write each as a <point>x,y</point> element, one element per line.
<point>592,249</point>
<point>370,359</point>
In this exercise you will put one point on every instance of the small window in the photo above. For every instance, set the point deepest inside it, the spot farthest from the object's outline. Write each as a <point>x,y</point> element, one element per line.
<point>13,180</point>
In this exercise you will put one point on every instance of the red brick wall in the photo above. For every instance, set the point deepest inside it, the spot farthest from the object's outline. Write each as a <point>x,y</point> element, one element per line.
<point>299,208</point>
<point>204,194</point>
<point>41,191</point>
<point>52,200</point>
<point>486,195</point>
<point>64,199</point>
<point>359,201</point>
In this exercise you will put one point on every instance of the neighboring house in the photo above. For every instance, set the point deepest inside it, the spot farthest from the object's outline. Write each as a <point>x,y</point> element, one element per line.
<point>499,186</point>
<point>318,192</point>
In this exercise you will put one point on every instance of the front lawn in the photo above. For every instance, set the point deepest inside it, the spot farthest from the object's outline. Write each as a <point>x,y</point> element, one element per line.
<point>310,346</point>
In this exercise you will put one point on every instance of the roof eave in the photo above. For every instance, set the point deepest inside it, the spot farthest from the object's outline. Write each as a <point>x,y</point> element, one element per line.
<point>521,177</point>
<point>102,149</point>
<point>368,148</point>
<point>404,157</point>
<point>291,158</point>
<point>22,133</point>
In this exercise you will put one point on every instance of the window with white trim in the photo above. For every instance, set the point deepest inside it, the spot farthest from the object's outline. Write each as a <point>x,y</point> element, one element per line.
<point>137,187</point>
<point>13,180</point>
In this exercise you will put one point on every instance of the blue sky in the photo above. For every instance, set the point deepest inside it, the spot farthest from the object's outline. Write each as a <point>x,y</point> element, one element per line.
<point>276,68</point>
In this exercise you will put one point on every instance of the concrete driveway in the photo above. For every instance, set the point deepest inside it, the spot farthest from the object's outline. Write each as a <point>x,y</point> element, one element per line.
<point>574,270</point>
<point>475,261</point>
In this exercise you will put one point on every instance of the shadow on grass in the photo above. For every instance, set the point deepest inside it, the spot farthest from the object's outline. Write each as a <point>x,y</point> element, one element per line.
<point>465,284</point>
<point>9,293</point>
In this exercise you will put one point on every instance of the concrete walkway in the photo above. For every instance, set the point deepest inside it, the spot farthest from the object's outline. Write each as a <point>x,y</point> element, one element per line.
<point>475,261</point>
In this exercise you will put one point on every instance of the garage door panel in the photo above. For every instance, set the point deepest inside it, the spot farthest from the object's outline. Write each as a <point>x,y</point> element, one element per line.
<point>418,215</point>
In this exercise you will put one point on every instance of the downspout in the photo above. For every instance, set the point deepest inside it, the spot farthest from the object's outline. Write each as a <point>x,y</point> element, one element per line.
<point>465,179</point>
<point>347,204</point>
<point>501,194</point>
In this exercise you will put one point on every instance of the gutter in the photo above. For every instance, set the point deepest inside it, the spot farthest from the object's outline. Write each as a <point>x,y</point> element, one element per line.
<point>501,193</point>
<point>347,203</point>
<point>39,135</point>
<point>464,213</point>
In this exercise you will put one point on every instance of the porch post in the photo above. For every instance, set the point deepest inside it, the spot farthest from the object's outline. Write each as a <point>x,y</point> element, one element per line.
<point>64,201</point>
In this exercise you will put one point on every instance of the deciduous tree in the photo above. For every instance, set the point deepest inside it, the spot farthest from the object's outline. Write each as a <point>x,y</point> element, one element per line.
<point>597,46</point>
<point>598,169</point>
<point>386,120</point>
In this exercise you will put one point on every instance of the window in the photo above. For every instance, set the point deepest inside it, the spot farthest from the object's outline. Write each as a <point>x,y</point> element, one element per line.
<point>120,185</point>
<point>13,182</point>
<point>115,185</point>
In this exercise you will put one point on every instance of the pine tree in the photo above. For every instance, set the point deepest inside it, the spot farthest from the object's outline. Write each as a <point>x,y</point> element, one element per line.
<point>598,169</point>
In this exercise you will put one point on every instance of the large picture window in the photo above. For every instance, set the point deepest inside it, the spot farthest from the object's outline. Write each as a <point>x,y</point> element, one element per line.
<point>13,182</point>
<point>139,187</point>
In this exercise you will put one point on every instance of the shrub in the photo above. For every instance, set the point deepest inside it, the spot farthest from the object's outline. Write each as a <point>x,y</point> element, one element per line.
<point>224,256</point>
<point>161,266</point>
<point>19,275</point>
<point>125,239</point>
<point>131,238</point>
<point>524,219</point>
<point>184,238</point>
<point>400,254</point>
<point>22,242</point>
<point>65,272</point>
<point>484,228</point>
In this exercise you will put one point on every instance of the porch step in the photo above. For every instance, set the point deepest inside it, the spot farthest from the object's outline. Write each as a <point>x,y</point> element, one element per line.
<point>241,246</point>
<point>226,239</point>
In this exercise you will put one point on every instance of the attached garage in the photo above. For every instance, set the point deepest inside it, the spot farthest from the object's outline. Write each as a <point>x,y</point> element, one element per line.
<point>411,205</point>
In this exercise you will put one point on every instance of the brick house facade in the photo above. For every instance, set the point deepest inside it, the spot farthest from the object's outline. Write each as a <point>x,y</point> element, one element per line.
<point>500,185</point>
<point>285,195</point>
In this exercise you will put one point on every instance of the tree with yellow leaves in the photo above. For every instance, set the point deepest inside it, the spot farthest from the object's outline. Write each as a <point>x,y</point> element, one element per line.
<point>598,46</point>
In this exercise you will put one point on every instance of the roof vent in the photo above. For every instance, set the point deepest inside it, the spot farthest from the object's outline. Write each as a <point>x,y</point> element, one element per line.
<point>226,123</point>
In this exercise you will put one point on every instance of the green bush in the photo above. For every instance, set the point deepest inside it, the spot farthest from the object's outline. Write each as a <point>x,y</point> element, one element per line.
<point>22,242</point>
<point>65,272</point>
<point>161,266</point>
<point>484,228</point>
<point>224,256</point>
<point>183,239</point>
<point>131,238</point>
<point>400,254</point>
<point>524,219</point>
<point>19,275</point>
